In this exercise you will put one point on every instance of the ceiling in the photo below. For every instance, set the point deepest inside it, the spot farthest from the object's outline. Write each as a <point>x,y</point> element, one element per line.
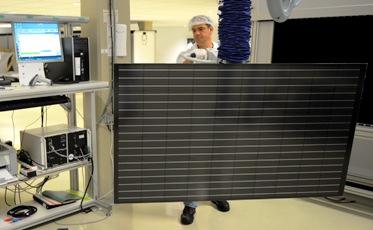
<point>170,12</point>
<point>43,7</point>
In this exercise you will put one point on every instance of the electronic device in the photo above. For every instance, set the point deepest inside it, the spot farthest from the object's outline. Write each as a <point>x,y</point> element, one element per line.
<point>56,145</point>
<point>36,43</point>
<point>75,67</point>
<point>5,81</point>
<point>8,162</point>
<point>280,10</point>
<point>22,211</point>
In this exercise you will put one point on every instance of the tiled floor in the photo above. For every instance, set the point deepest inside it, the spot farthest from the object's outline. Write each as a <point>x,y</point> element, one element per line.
<point>289,214</point>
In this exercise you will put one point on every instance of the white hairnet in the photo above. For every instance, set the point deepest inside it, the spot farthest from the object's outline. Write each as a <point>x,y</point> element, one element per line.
<point>200,19</point>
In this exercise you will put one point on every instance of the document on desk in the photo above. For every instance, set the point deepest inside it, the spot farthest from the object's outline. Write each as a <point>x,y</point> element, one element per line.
<point>6,177</point>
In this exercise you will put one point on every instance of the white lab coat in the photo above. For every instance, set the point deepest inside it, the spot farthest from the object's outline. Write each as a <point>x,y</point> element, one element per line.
<point>214,50</point>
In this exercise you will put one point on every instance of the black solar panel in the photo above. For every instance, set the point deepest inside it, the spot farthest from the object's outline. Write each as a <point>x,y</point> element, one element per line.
<point>211,132</point>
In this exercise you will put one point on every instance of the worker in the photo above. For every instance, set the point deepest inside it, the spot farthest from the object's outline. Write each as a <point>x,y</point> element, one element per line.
<point>204,48</point>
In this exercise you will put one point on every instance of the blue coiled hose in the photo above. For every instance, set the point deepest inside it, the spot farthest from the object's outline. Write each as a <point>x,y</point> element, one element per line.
<point>234,31</point>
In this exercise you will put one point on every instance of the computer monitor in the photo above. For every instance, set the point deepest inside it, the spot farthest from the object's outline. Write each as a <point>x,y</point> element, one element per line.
<point>37,42</point>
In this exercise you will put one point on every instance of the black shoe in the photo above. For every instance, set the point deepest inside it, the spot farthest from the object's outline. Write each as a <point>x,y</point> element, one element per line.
<point>187,216</point>
<point>221,205</point>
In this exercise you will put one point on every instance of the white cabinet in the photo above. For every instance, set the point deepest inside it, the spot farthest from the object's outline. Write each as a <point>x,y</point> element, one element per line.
<point>143,46</point>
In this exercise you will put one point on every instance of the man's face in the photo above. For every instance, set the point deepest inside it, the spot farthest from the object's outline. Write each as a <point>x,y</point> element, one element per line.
<point>202,33</point>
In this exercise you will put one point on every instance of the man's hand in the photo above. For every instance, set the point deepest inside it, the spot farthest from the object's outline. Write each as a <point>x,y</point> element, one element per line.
<point>197,56</point>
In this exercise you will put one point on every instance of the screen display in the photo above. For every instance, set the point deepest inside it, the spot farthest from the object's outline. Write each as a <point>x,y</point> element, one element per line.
<point>37,42</point>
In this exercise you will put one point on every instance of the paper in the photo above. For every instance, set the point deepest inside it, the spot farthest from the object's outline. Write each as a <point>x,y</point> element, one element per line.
<point>121,40</point>
<point>6,177</point>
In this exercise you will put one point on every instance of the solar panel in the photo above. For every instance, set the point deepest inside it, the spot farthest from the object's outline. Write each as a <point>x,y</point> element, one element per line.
<point>215,132</point>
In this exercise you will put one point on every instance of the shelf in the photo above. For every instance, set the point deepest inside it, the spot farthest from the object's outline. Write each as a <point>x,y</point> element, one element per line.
<point>8,18</point>
<point>43,215</point>
<point>16,92</point>
<point>89,88</point>
<point>47,172</point>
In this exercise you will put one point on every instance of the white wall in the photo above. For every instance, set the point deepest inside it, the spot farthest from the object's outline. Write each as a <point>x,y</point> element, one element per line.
<point>170,42</point>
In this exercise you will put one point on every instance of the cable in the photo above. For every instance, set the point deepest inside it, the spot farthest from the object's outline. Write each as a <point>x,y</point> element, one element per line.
<point>19,194</point>
<point>75,157</point>
<point>86,188</point>
<point>32,183</point>
<point>46,117</point>
<point>112,150</point>
<point>234,30</point>
<point>14,195</point>
<point>339,200</point>
<point>19,189</point>
<point>82,223</point>
<point>46,179</point>
<point>22,190</point>
<point>42,116</point>
<point>112,29</point>
<point>30,186</point>
<point>5,197</point>
<point>24,155</point>
<point>30,125</point>
<point>109,100</point>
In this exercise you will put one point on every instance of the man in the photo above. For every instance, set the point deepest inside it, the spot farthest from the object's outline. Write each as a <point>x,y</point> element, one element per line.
<point>202,28</point>
<point>204,47</point>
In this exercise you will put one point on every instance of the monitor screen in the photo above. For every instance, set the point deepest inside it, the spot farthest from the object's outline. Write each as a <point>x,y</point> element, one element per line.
<point>37,42</point>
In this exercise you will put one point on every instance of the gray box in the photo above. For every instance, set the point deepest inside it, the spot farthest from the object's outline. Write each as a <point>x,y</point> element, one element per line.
<point>52,146</point>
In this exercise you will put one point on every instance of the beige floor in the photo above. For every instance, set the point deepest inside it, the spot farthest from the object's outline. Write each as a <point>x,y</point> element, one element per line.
<point>297,214</point>
<point>289,214</point>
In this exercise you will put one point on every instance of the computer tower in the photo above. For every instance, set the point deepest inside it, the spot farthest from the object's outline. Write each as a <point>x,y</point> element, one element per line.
<point>75,67</point>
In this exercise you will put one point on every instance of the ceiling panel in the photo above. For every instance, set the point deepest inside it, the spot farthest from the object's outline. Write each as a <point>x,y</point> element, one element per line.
<point>43,7</point>
<point>162,11</point>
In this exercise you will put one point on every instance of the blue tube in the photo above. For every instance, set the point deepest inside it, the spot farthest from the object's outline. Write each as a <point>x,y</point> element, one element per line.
<point>234,31</point>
